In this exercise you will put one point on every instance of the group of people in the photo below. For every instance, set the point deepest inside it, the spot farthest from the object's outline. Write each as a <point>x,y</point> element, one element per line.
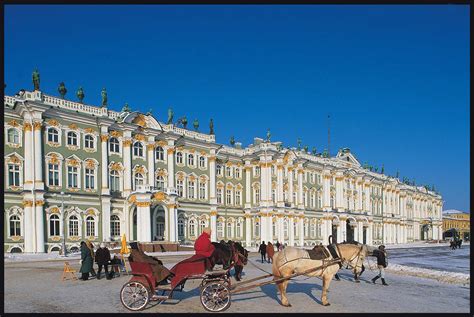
<point>101,257</point>
<point>268,250</point>
<point>455,243</point>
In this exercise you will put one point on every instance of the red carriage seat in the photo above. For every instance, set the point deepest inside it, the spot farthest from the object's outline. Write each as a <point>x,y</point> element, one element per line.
<point>194,265</point>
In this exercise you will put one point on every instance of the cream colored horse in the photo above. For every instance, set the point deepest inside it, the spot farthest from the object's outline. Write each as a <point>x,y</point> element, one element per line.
<point>294,260</point>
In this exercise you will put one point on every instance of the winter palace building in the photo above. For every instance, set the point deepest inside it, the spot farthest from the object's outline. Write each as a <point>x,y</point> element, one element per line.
<point>75,171</point>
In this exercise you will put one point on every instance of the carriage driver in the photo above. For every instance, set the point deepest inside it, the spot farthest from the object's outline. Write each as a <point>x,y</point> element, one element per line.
<point>203,245</point>
<point>160,272</point>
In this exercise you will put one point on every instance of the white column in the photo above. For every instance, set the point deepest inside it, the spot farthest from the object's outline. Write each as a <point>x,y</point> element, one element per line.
<point>212,182</point>
<point>106,218</point>
<point>281,234</point>
<point>143,218</point>
<point>151,160</point>
<point>280,201</point>
<point>290,186</point>
<point>369,233</point>
<point>38,157</point>
<point>213,214</point>
<point>104,161</point>
<point>326,192</point>
<point>39,228</point>
<point>291,231</point>
<point>367,198</point>
<point>173,222</point>
<point>29,157</point>
<point>301,225</point>
<point>263,229</point>
<point>248,186</point>
<point>300,189</point>
<point>248,230</point>
<point>341,231</point>
<point>324,230</point>
<point>170,158</point>
<point>339,192</point>
<point>127,164</point>
<point>28,229</point>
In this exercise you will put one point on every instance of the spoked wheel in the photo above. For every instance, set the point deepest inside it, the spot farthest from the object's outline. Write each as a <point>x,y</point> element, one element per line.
<point>134,296</point>
<point>215,296</point>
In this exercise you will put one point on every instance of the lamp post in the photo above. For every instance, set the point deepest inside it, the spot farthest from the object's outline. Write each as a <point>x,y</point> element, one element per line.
<point>63,216</point>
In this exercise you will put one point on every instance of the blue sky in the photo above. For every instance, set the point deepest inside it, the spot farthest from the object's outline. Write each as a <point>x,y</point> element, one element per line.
<point>395,79</point>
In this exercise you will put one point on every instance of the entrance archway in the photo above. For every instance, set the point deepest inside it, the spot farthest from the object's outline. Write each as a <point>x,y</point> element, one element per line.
<point>349,231</point>
<point>424,232</point>
<point>158,223</point>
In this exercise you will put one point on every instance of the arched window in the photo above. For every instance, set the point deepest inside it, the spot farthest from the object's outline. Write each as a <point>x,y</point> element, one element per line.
<point>219,195</point>
<point>202,190</point>
<point>273,228</point>
<point>237,172</point>
<point>53,135</point>
<point>228,171</point>
<point>53,174</point>
<point>179,158</point>
<point>72,138</point>
<point>90,178</point>
<point>219,170</point>
<point>179,187</point>
<point>138,180</point>
<point>285,228</point>
<point>89,141</point>
<point>256,232</point>
<point>306,229</point>
<point>13,136</point>
<point>114,181</point>
<point>239,229</point>
<point>257,195</point>
<point>190,160</point>
<point>114,145</point>
<point>114,226</point>
<point>229,230</point>
<point>159,153</point>
<point>191,189</point>
<point>15,226</point>
<point>138,149</point>
<point>13,175</point>
<point>73,226</point>
<point>180,227</point>
<point>202,162</point>
<point>90,226</point>
<point>192,227</point>
<point>54,226</point>
<point>238,197</point>
<point>220,229</point>
<point>160,182</point>
<point>202,225</point>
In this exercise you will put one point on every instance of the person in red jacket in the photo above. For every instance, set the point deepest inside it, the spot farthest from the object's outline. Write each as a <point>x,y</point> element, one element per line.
<point>203,245</point>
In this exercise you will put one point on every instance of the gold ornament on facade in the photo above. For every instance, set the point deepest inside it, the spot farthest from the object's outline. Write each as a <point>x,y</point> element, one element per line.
<point>13,159</point>
<point>54,210</point>
<point>160,196</point>
<point>139,137</point>
<point>127,143</point>
<point>13,123</point>
<point>170,150</point>
<point>89,130</point>
<point>27,126</point>
<point>247,216</point>
<point>90,212</point>
<point>55,238</point>
<point>90,164</point>
<point>73,162</point>
<point>192,178</point>
<point>27,203</point>
<point>73,126</point>
<point>39,203</point>
<point>16,238</point>
<point>132,199</point>
<point>37,125</point>
<point>116,167</point>
<point>53,123</point>
<point>229,186</point>
<point>139,169</point>
<point>150,146</point>
<point>116,134</point>
<point>140,120</point>
<point>143,204</point>
<point>104,137</point>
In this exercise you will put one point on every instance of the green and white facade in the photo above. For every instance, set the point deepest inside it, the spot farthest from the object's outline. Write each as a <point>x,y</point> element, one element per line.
<point>129,173</point>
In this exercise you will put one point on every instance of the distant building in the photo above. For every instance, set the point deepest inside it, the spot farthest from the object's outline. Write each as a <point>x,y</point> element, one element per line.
<point>128,173</point>
<point>457,220</point>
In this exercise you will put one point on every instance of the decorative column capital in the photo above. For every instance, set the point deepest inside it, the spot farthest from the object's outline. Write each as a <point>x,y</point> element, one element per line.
<point>150,146</point>
<point>27,126</point>
<point>39,202</point>
<point>143,203</point>
<point>127,142</point>
<point>212,158</point>
<point>170,150</point>
<point>214,213</point>
<point>37,125</point>
<point>27,203</point>
<point>104,137</point>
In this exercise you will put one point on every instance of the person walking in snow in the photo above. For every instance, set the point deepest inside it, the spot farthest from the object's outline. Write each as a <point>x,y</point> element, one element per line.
<point>381,255</point>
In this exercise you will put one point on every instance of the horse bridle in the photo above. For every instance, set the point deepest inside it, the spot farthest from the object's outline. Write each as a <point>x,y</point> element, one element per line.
<point>347,262</point>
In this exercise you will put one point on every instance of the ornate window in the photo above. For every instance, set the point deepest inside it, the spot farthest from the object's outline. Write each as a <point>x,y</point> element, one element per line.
<point>73,226</point>
<point>313,230</point>
<point>320,203</point>
<point>114,181</point>
<point>53,135</point>
<point>90,178</point>
<point>285,228</point>
<point>192,227</point>
<point>72,177</point>
<point>306,229</point>
<point>138,149</point>
<point>159,153</point>
<point>220,229</point>
<point>239,229</point>
<point>179,187</point>
<point>228,171</point>
<point>229,230</point>
<point>202,162</point>
<point>72,138</point>
<point>238,197</point>
<point>114,226</point>
<point>89,142</point>
<point>191,189</point>
<point>54,226</point>
<point>138,180</point>
<point>228,199</point>
<point>219,170</point>
<point>202,190</point>
<point>13,136</point>
<point>160,182</point>
<point>219,195</point>
<point>257,195</point>
<point>256,228</point>
<point>273,195</point>
<point>53,174</point>
<point>180,227</point>
<point>15,226</point>
<point>179,158</point>
<point>114,145</point>
<point>237,172</point>
<point>202,225</point>
<point>14,175</point>
<point>90,226</point>
<point>191,160</point>
<point>257,171</point>
<point>273,228</point>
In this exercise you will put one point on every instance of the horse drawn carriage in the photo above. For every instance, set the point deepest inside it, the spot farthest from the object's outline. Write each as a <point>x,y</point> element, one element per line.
<point>216,287</point>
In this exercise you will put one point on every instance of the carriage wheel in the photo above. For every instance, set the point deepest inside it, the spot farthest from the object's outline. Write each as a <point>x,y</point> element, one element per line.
<point>134,296</point>
<point>215,296</point>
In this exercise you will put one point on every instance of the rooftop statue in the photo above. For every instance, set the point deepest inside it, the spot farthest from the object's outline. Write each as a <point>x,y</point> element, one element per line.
<point>104,97</point>
<point>126,108</point>
<point>184,121</point>
<point>80,94</point>
<point>268,135</point>
<point>314,150</point>
<point>196,124</point>
<point>305,149</point>
<point>36,79</point>
<point>211,127</point>
<point>299,143</point>
<point>382,170</point>
<point>232,140</point>
<point>170,116</point>
<point>149,113</point>
<point>62,90</point>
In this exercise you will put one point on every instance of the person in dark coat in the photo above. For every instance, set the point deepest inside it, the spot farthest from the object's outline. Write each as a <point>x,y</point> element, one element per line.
<point>263,250</point>
<point>381,255</point>
<point>277,246</point>
<point>86,261</point>
<point>102,258</point>
<point>160,272</point>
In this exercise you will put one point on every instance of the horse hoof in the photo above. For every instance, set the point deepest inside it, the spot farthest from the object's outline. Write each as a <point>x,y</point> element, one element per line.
<point>327,304</point>
<point>289,305</point>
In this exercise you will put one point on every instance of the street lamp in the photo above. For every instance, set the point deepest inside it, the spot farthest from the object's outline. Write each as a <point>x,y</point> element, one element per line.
<point>63,216</point>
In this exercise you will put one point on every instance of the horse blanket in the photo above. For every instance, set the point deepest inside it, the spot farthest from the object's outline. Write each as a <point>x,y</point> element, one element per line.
<point>318,253</point>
